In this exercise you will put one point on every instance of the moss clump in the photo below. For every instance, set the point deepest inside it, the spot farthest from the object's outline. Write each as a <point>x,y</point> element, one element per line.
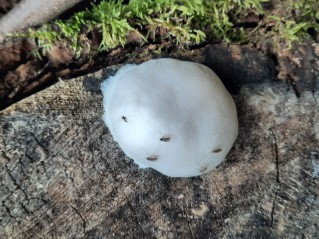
<point>290,21</point>
<point>183,21</point>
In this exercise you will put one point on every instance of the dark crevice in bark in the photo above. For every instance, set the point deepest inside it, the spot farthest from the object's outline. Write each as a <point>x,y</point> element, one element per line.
<point>81,217</point>
<point>275,144</point>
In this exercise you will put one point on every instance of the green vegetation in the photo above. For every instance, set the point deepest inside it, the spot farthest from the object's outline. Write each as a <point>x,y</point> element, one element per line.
<point>292,20</point>
<point>182,21</point>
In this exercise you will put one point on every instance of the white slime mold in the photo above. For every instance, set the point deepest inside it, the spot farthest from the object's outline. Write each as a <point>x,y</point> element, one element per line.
<point>173,116</point>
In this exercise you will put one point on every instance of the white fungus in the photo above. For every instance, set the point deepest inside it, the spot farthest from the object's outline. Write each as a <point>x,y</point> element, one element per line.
<point>173,116</point>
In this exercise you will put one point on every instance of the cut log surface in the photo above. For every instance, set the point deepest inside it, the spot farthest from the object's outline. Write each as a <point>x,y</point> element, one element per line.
<point>63,176</point>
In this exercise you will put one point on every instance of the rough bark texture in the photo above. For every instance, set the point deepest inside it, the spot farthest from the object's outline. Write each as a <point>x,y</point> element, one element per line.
<point>33,12</point>
<point>62,175</point>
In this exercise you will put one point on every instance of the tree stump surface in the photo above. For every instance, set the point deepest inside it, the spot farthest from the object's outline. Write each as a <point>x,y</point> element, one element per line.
<point>63,176</point>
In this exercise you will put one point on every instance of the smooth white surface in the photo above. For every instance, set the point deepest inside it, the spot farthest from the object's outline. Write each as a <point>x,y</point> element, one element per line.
<point>182,100</point>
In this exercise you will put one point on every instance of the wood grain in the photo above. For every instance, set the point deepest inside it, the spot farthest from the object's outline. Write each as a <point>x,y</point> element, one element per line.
<point>62,175</point>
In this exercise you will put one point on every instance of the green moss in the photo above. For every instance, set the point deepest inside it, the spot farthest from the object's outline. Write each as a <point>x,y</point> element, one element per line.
<point>291,21</point>
<point>182,21</point>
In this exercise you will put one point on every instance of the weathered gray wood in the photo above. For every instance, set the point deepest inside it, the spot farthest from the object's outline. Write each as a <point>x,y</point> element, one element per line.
<point>62,176</point>
<point>33,12</point>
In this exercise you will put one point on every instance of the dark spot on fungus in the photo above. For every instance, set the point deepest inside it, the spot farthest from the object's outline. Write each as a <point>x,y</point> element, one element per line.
<point>152,158</point>
<point>217,150</point>
<point>124,118</point>
<point>165,138</point>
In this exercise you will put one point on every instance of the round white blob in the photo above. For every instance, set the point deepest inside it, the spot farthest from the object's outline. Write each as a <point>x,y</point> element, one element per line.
<point>173,116</point>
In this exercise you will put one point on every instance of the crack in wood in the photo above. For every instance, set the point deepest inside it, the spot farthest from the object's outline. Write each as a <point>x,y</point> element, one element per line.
<point>15,183</point>
<point>7,209</point>
<point>272,214</point>
<point>81,217</point>
<point>32,160</point>
<point>71,178</point>
<point>4,155</point>
<point>39,143</point>
<point>135,214</point>
<point>25,209</point>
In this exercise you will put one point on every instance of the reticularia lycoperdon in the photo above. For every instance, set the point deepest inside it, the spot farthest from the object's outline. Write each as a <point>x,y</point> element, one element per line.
<point>173,116</point>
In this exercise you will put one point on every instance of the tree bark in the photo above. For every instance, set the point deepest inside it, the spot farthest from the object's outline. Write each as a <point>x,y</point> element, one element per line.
<point>33,12</point>
<point>63,176</point>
